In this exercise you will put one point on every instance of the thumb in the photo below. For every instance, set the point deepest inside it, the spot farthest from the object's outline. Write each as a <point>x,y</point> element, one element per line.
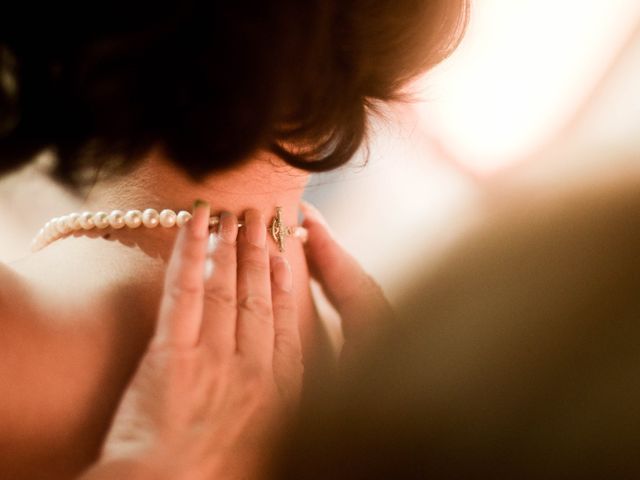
<point>353,293</point>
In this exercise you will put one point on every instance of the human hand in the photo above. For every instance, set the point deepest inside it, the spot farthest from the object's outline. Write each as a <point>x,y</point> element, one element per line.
<point>224,363</point>
<point>355,295</point>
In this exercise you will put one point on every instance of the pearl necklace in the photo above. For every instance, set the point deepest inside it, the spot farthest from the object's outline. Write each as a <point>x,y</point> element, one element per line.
<point>60,227</point>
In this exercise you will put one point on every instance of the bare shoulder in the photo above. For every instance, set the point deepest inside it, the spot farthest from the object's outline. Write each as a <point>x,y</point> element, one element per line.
<point>11,297</point>
<point>12,282</point>
<point>16,308</point>
<point>9,283</point>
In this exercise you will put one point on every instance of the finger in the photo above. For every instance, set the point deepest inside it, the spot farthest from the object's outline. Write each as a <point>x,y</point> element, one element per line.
<point>287,351</point>
<point>219,317</point>
<point>255,316</point>
<point>354,294</point>
<point>181,304</point>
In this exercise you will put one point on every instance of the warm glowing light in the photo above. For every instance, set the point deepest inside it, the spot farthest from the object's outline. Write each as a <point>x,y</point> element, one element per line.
<point>523,69</point>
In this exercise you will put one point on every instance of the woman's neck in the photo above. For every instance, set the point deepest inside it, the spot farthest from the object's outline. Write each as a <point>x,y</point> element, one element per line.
<point>261,182</point>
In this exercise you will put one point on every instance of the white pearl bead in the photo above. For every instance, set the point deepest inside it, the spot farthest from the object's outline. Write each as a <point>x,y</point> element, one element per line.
<point>61,224</point>
<point>182,218</point>
<point>68,222</point>
<point>48,229</point>
<point>133,218</point>
<point>72,221</point>
<point>52,232</point>
<point>101,219</point>
<point>167,218</point>
<point>150,218</point>
<point>66,228</point>
<point>116,219</point>
<point>86,220</point>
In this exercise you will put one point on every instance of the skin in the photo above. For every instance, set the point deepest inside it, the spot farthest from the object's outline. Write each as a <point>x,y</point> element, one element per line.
<point>354,294</point>
<point>77,317</point>
<point>224,365</point>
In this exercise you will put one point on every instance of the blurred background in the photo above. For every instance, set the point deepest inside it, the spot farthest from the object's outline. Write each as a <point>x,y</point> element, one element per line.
<point>540,93</point>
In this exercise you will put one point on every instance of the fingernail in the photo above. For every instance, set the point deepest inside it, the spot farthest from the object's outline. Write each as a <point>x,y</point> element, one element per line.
<point>228,227</point>
<point>199,224</point>
<point>281,271</point>
<point>256,230</point>
<point>200,203</point>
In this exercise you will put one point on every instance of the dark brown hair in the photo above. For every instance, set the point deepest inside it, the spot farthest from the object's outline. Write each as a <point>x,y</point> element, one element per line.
<point>209,82</point>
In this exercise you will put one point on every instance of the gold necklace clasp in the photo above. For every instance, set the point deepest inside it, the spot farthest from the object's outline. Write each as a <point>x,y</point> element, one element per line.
<point>279,231</point>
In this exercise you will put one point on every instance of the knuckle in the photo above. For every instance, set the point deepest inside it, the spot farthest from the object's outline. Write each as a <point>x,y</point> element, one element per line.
<point>256,305</point>
<point>287,346</point>
<point>289,381</point>
<point>284,311</point>
<point>253,264</point>
<point>376,293</point>
<point>184,292</point>
<point>377,287</point>
<point>220,296</point>
<point>368,283</point>
<point>364,287</point>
